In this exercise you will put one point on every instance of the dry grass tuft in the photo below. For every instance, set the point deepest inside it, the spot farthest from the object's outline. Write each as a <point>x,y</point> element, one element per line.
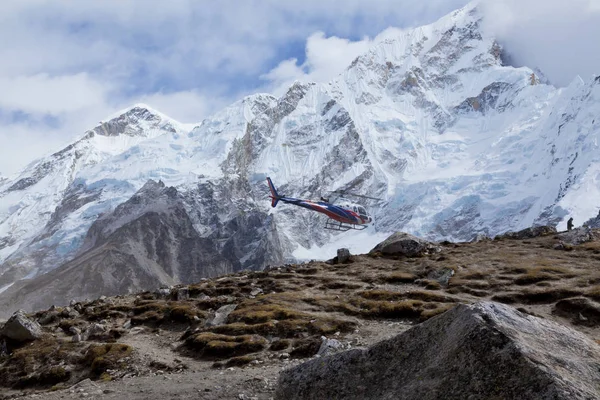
<point>257,313</point>
<point>212,346</point>
<point>304,348</point>
<point>279,345</point>
<point>543,296</point>
<point>440,309</point>
<point>399,277</point>
<point>106,356</point>
<point>185,313</point>
<point>388,309</point>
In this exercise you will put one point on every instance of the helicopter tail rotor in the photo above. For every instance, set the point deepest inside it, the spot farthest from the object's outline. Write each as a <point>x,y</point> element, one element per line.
<point>274,195</point>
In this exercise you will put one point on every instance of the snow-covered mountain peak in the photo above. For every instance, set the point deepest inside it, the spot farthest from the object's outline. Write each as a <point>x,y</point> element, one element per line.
<point>138,120</point>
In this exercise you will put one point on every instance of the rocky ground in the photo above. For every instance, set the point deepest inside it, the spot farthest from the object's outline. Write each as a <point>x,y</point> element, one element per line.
<point>230,337</point>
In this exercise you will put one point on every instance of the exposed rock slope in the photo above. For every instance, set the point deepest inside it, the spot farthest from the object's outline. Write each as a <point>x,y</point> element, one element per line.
<point>272,319</point>
<point>145,242</point>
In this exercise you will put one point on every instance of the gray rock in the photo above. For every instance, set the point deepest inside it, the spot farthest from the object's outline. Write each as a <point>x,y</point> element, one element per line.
<point>343,256</point>
<point>48,317</point>
<point>482,351</point>
<point>77,338</point>
<point>256,292</point>
<point>182,294</point>
<point>74,330</point>
<point>163,292</point>
<point>401,243</point>
<point>69,313</point>
<point>442,276</point>
<point>221,315</point>
<point>481,237</point>
<point>329,346</point>
<point>20,328</point>
<point>96,331</point>
<point>579,235</point>
<point>127,325</point>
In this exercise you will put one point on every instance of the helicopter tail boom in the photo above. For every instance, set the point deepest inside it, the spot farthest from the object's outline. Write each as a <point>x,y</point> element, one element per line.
<point>275,197</point>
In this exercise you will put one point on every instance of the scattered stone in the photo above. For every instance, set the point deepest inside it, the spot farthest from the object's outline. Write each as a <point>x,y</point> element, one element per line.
<point>401,243</point>
<point>442,276</point>
<point>137,330</point>
<point>163,292</point>
<point>529,233</point>
<point>481,237</point>
<point>48,317</point>
<point>75,330</point>
<point>221,315</point>
<point>77,338</point>
<point>69,313</point>
<point>127,325</point>
<point>343,256</point>
<point>20,328</point>
<point>96,331</point>
<point>256,292</point>
<point>482,351</point>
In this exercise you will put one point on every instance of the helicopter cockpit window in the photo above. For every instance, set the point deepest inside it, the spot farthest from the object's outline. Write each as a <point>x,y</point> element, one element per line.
<point>362,211</point>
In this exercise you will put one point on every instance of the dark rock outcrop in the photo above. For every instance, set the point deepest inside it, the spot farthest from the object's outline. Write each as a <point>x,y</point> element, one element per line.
<point>593,222</point>
<point>20,328</point>
<point>343,256</point>
<point>481,351</point>
<point>579,235</point>
<point>146,242</point>
<point>529,233</point>
<point>404,244</point>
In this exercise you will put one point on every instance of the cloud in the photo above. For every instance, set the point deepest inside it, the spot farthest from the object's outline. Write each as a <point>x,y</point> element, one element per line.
<point>186,106</point>
<point>559,37</point>
<point>43,94</point>
<point>326,57</point>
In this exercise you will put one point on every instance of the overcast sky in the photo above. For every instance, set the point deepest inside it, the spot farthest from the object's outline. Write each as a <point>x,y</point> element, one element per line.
<point>65,65</point>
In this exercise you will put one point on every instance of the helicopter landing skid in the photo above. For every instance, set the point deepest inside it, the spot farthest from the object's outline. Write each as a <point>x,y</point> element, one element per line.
<point>341,227</point>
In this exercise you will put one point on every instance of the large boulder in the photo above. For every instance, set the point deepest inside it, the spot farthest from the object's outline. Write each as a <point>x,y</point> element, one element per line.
<point>401,243</point>
<point>579,235</point>
<point>21,328</point>
<point>482,351</point>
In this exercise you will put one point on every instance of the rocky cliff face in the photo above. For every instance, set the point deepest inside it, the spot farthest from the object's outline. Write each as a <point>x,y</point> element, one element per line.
<point>455,142</point>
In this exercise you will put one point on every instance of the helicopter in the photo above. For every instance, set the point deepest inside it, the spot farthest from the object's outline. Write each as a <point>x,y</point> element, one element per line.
<point>342,217</point>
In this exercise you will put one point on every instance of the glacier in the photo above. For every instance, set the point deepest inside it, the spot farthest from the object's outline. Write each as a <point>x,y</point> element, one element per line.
<point>454,140</point>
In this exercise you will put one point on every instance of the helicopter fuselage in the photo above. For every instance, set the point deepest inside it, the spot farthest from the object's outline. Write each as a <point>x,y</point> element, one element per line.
<point>352,214</point>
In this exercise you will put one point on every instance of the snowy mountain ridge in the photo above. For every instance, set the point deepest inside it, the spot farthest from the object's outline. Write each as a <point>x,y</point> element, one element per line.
<point>432,121</point>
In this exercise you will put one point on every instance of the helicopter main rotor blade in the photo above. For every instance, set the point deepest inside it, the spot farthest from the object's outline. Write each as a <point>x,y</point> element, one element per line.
<point>343,193</point>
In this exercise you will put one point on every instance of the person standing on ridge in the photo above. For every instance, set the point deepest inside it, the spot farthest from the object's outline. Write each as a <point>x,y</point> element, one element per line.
<point>570,224</point>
